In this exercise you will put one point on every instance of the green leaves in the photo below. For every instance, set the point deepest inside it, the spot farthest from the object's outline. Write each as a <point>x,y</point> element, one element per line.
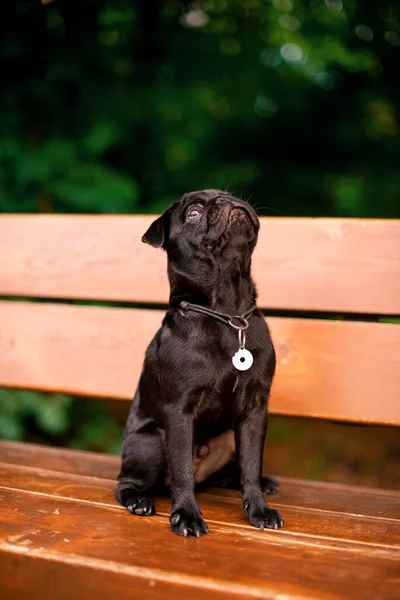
<point>135,106</point>
<point>101,137</point>
<point>95,188</point>
<point>45,161</point>
<point>53,416</point>
<point>20,408</point>
<point>58,419</point>
<point>62,171</point>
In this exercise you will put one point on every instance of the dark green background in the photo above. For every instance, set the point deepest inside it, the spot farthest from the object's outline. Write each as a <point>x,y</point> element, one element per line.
<point>121,106</point>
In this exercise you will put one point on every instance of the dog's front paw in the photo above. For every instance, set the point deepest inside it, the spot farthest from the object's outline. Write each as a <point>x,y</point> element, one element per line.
<point>141,506</point>
<point>187,522</point>
<point>264,517</point>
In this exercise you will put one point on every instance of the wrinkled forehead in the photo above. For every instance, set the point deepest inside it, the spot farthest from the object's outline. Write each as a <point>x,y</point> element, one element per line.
<point>203,196</point>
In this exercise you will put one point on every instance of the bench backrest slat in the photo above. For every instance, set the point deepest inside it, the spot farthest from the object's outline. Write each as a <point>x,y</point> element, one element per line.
<point>336,369</point>
<point>328,369</point>
<point>334,265</point>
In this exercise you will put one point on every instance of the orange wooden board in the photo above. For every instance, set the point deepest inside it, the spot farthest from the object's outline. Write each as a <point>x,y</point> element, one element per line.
<point>323,526</point>
<point>330,369</point>
<point>62,533</point>
<point>233,559</point>
<point>346,265</point>
<point>102,469</point>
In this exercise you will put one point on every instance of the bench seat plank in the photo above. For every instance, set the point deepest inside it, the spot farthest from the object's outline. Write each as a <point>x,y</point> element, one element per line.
<point>348,265</point>
<point>232,559</point>
<point>100,468</point>
<point>99,351</point>
<point>302,524</point>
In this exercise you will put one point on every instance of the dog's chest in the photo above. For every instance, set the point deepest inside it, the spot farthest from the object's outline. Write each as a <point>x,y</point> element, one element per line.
<point>218,406</point>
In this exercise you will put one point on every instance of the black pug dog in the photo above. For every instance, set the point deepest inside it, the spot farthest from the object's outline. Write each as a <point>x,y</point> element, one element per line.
<point>196,418</point>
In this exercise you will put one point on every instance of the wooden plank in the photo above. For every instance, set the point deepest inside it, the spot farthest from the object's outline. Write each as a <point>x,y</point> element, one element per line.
<point>345,371</point>
<point>59,576</point>
<point>103,469</point>
<point>322,526</point>
<point>342,265</point>
<point>229,560</point>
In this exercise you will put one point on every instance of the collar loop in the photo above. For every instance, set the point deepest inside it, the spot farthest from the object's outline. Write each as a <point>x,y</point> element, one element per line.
<point>224,318</point>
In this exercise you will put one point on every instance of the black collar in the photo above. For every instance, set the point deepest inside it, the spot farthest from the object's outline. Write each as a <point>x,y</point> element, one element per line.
<point>224,318</point>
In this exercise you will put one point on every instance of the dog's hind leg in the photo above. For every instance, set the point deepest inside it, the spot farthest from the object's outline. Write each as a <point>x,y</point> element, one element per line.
<point>143,462</point>
<point>142,470</point>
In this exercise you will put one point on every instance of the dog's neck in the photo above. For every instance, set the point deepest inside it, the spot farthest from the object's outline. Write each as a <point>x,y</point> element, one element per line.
<point>231,294</point>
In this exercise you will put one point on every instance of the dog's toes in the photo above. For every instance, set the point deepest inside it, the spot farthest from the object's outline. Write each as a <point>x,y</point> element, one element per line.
<point>266,518</point>
<point>269,485</point>
<point>273,519</point>
<point>174,520</point>
<point>141,506</point>
<point>187,523</point>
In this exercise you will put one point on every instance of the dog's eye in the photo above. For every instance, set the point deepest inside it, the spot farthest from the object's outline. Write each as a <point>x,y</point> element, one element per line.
<point>194,212</point>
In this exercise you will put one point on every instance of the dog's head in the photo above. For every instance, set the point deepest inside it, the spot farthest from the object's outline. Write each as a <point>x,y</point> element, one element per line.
<point>207,235</point>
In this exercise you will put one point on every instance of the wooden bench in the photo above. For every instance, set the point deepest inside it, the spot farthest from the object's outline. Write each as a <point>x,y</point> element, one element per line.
<point>62,533</point>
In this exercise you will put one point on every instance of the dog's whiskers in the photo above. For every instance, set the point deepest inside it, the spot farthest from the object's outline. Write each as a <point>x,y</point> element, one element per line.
<point>257,208</point>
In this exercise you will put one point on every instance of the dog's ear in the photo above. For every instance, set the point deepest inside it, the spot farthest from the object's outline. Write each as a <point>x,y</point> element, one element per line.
<point>158,233</point>
<point>155,235</point>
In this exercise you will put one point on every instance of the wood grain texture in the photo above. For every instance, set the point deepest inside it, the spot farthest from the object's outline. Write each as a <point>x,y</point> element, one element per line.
<point>233,559</point>
<point>100,469</point>
<point>63,535</point>
<point>57,576</point>
<point>338,370</point>
<point>323,526</point>
<point>341,265</point>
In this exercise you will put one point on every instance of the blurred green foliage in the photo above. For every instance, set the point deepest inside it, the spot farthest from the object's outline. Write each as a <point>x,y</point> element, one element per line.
<point>57,419</point>
<point>120,106</point>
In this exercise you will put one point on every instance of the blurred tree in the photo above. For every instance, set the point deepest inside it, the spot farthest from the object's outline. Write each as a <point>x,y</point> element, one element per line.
<point>120,106</point>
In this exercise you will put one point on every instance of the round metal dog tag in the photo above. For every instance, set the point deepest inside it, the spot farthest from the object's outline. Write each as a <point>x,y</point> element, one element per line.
<point>242,360</point>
